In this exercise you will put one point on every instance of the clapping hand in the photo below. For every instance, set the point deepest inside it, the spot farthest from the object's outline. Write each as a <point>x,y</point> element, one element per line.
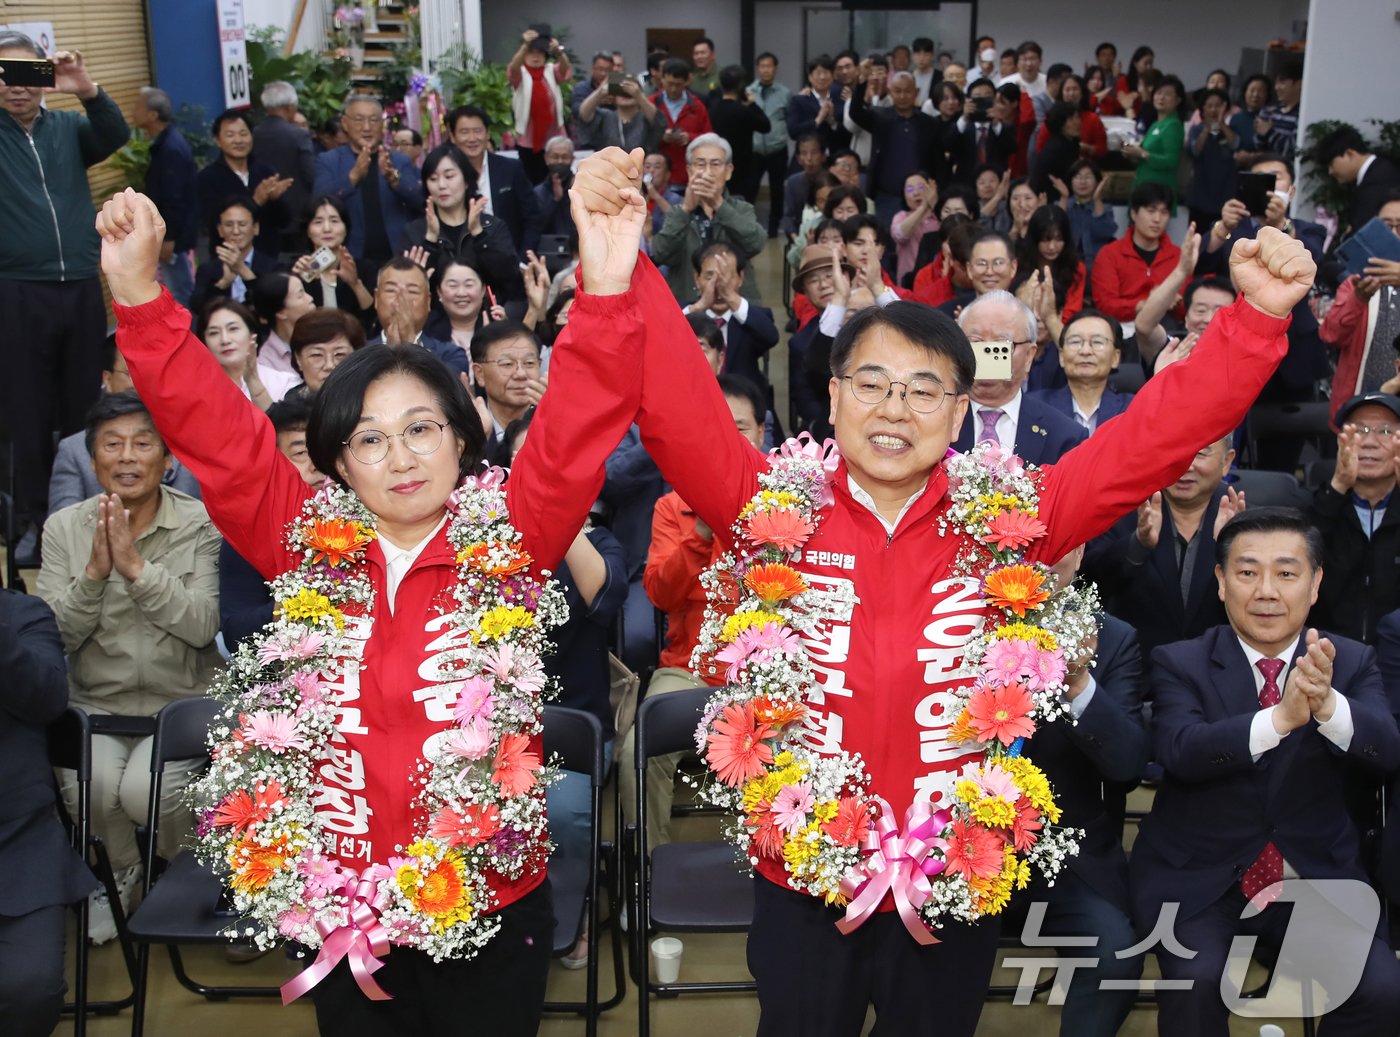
<point>361,166</point>
<point>1177,349</point>
<point>1190,252</point>
<point>113,546</point>
<point>270,189</point>
<point>1149,521</point>
<point>608,209</point>
<point>475,208</point>
<point>1348,458</point>
<point>1310,683</point>
<point>1230,505</point>
<point>132,230</point>
<point>420,255</point>
<point>1274,272</point>
<point>536,274</point>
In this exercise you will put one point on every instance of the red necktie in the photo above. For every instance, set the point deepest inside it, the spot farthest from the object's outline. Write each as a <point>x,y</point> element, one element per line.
<point>1267,869</point>
<point>981,145</point>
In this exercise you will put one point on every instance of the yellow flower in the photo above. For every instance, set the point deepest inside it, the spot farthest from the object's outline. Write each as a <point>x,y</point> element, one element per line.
<point>824,812</point>
<point>311,606</point>
<point>441,892</point>
<point>1040,637</point>
<point>784,759</point>
<point>993,812</point>
<point>501,620</point>
<point>1034,785</point>
<point>799,849</point>
<point>741,621</point>
<point>835,898</point>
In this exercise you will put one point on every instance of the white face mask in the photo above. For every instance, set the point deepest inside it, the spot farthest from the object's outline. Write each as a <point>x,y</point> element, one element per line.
<point>989,55</point>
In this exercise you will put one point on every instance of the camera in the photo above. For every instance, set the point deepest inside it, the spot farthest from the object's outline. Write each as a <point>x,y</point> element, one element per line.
<point>323,259</point>
<point>32,72</point>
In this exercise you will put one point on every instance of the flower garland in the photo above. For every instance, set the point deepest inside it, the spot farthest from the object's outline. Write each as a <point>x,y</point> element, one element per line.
<point>814,812</point>
<point>482,790</point>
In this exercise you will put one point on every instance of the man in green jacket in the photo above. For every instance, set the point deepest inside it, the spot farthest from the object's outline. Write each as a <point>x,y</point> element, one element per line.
<point>51,306</point>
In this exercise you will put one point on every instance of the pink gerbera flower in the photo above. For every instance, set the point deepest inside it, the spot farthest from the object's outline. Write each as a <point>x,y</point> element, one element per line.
<point>515,765</point>
<point>275,732</point>
<point>515,666</point>
<point>783,529</point>
<point>470,826</point>
<point>1003,713</point>
<point>996,783</point>
<point>309,687</point>
<point>284,648</point>
<point>1044,668</point>
<point>474,701</point>
<point>321,874</point>
<point>291,922</point>
<point>1013,529</point>
<point>471,741</point>
<point>1005,660</point>
<point>791,806</point>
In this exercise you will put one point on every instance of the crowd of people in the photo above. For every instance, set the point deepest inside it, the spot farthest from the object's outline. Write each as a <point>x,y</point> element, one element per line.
<point>1249,648</point>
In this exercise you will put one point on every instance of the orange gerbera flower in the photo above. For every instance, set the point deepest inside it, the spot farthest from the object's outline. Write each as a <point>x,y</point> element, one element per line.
<point>254,865</point>
<point>777,713</point>
<point>1012,529</point>
<point>973,851</point>
<point>1019,588</point>
<point>241,809</point>
<point>783,529</point>
<point>962,730</point>
<point>1002,713</point>
<point>478,558</point>
<point>774,583</point>
<point>737,750</point>
<point>514,766</point>
<point>851,824</point>
<point>443,891</point>
<point>335,540</point>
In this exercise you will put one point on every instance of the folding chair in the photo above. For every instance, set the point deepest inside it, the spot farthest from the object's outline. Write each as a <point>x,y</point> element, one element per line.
<point>681,887</point>
<point>183,907</point>
<point>577,738</point>
<point>70,748</point>
<point>1264,489</point>
<point>1303,420</point>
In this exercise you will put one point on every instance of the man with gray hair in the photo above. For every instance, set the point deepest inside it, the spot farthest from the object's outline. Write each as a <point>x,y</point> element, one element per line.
<point>707,214</point>
<point>1000,410</point>
<point>380,188</point>
<point>287,148</point>
<point>170,183</point>
<point>50,298</point>
<point>552,196</point>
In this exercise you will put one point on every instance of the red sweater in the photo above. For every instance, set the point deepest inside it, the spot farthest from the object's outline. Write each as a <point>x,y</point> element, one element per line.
<point>886,674</point>
<point>1348,328</point>
<point>252,492</point>
<point>694,119</point>
<point>1122,279</point>
<point>675,560</point>
<point>1091,134</point>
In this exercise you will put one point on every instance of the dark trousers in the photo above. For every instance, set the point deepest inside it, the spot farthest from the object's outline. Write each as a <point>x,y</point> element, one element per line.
<point>816,982</point>
<point>1372,1008</point>
<point>53,332</point>
<point>31,971</point>
<point>499,993</point>
<point>534,164</point>
<point>775,167</point>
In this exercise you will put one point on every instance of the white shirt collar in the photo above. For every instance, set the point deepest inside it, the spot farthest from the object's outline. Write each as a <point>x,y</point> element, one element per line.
<point>399,560</point>
<point>1361,173</point>
<point>483,183</point>
<point>1007,424</point>
<point>868,502</point>
<point>1286,655</point>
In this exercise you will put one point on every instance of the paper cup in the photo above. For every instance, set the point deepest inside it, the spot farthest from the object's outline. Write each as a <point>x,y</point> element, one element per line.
<point>666,958</point>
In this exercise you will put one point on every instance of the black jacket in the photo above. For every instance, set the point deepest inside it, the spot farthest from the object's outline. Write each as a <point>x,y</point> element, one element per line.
<point>737,122</point>
<point>287,148</point>
<point>217,183</point>
<point>1381,179</point>
<point>490,253</point>
<point>1360,576</point>
<point>883,124</point>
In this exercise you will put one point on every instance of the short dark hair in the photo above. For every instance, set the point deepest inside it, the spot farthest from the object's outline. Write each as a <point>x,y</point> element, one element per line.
<point>1086,163</point>
<point>705,328</point>
<point>1060,113</point>
<point>840,194</point>
<point>1338,143</point>
<point>853,225</point>
<point>984,82</point>
<point>767,55</point>
<point>1149,192</point>
<point>464,111</point>
<point>1176,84</point>
<point>1058,71</point>
<point>855,58</point>
<point>413,135</point>
<point>1259,77</point>
<point>449,152</point>
<point>325,324</point>
<point>809,135</point>
<point>1212,91</point>
<point>821,61</point>
<point>1269,520</point>
<point>1087,313</point>
<point>662,156</point>
<point>313,206</point>
<point>943,89</point>
<point>677,68</point>
<point>922,43</point>
<point>1009,52</point>
<point>899,47</point>
<point>1030,47</point>
<point>230,115</point>
<point>922,325</point>
<point>225,302</point>
<point>238,201</point>
<point>1214,282</point>
<point>825,178</point>
<point>876,57</point>
<point>268,295</point>
<point>994,235</point>
<point>706,41</point>
<point>698,257</point>
<point>336,408</point>
<point>957,190</point>
<point>109,352</point>
<point>841,153</point>
<point>961,233</point>
<point>1103,47</point>
<point>500,331</point>
<point>657,58</point>
<point>1269,156</point>
<point>109,407</point>
<point>1292,70</point>
<point>1009,92</point>
<point>732,78</point>
<point>290,414</point>
<point>741,388</point>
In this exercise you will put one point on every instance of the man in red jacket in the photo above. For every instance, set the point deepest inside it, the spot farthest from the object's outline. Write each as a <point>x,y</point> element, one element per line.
<point>685,114</point>
<point>887,672</point>
<point>1126,270</point>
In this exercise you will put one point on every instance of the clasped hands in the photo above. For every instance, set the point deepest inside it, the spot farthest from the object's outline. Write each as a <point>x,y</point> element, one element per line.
<point>113,545</point>
<point>1308,691</point>
<point>609,209</point>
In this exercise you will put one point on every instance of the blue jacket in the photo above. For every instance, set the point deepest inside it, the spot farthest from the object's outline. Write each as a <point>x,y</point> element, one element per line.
<point>49,225</point>
<point>245,603</point>
<point>1111,404</point>
<point>170,183</point>
<point>1043,434</point>
<point>1217,808</point>
<point>399,204</point>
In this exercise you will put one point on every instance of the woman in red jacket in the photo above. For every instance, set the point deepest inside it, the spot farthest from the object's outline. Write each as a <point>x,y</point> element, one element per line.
<point>398,432</point>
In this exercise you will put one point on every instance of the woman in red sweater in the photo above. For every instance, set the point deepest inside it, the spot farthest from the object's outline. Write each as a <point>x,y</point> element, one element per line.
<point>397,430</point>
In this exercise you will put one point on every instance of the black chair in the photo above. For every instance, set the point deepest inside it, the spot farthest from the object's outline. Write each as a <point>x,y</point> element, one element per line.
<point>1308,421</point>
<point>1319,473</point>
<point>70,748</point>
<point>682,886</point>
<point>1263,489</point>
<point>183,907</point>
<point>1127,377</point>
<point>577,738</point>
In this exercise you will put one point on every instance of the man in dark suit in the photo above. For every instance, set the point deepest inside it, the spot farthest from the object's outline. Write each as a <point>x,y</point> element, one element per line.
<point>1089,351</point>
<point>1000,410</point>
<point>287,148</point>
<point>170,184</point>
<point>379,187</point>
<point>1092,763</point>
<point>42,873</point>
<point>1350,160</point>
<point>502,181</point>
<point>238,257</point>
<point>817,108</point>
<point>747,328</point>
<point>1258,725</point>
<point>981,140</point>
<point>1156,569</point>
<point>904,139</point>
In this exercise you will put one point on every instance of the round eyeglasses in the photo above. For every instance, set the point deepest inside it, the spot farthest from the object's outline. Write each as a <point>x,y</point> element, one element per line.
<point>370,446</point>
<point>923,395</point>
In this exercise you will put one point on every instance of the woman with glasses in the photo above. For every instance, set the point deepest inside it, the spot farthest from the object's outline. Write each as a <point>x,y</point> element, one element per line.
<point>396,432</point>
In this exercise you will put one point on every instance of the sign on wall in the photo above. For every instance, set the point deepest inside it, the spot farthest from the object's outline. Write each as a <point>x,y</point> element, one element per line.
<point>40,32</point>
<point>234,55</point>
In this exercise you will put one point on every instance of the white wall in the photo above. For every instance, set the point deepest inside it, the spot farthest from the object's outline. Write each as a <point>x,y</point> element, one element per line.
<point>595,25</point>
<point>1350,72</point>
<point>260,13</point>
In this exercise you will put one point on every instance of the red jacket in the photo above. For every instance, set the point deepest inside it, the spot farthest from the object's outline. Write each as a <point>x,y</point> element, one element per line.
<point>1091,134</point>
<point>1121,278</point>
<point>804,310</point>
<point>886,674</point>
<point>694,120</point>
<point>252,492</point>
<point>932,286</point>
<point>1349,328</point>
<point>672,579</point>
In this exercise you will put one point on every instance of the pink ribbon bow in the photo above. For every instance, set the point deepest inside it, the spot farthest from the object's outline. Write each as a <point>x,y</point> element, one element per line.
<point>900,864</point>
<point>362,939</point>
<point>803,445</point>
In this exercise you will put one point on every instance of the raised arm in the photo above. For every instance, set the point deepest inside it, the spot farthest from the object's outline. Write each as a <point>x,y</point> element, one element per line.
<point>1191,403</point>
<point>1148,323</point>
<point>250,490</point>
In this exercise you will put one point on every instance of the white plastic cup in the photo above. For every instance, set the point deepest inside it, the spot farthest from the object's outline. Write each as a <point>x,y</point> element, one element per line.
<point>666,954</point>
<point>1270,1030</point>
